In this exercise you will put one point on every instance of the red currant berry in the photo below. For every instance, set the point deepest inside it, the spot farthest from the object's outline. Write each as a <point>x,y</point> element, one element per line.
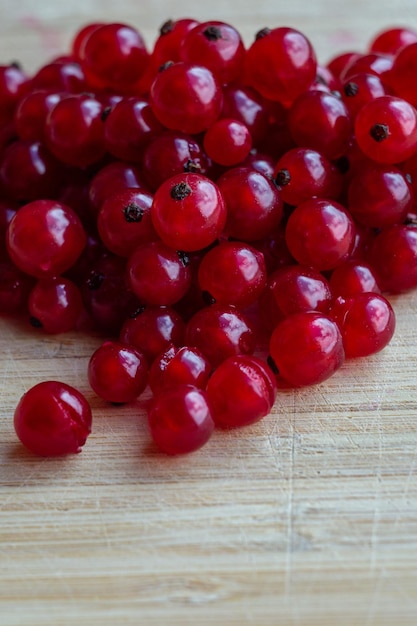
<point>53,419</point>
<point>14,289</point>
<point>168,45</point>
<point>124,221</point>
<point>110,179</point>
<point>241,391</point>
<point>233,273</point>
<point>179,366</point>
<point>158,275</point>
<point>220,331</point>
<point>302,173</point>
<point>379,196</point>
<point>393,255</point>
<point>64,76</point>
<point>321,121</point>
<point>55,305</point>
<point>307,348</point>
<point>180,420</point>
<point>186,97</point>
<point>247,106</point>
<point>253,203</point>
<point>391,40</point>
<point>117,372</point>
<point>366,321</point>
<point>227,142</point>
<point>13,85</point>
<point>74,130</point>
<point>320,233</point>
<point>217,46</point>
<point>352,277</point>
<point>45,238</point>
<point>115,55</point>
<point>152,330</point>
<point>188,212</point>
<point>31,113</point>
<point>280,64</point>
<point>386,129</point>
<point>360,89</point>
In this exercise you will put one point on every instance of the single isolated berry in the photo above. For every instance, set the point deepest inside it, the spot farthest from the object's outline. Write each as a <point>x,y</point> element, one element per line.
<point>53,419</point>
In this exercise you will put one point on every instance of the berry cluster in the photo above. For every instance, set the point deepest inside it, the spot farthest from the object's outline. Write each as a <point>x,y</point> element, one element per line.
<point>199,202</point>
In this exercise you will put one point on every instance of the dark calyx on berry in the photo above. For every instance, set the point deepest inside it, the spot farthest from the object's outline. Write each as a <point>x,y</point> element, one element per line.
<point>351,89</point>
<point>212,33</point>
<point>35,322</point>
<point>167,27</point>
<point>208,298</point>
<point>262,33</point>
<point>133,213</point>
<point>165,66</point>
<point>192,166</point>
<point>379,132</point>
<point>95,280</point>
<point>282,178</point>
<point>183,257</point>
<point>137,311</point>
<point>180,191</point>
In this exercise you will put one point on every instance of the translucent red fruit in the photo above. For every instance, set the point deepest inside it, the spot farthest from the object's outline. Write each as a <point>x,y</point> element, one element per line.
<point>180,420</point>
<point>280,64</point>
<point>179,366</point>
<point>114,55</point>
<point>188,212</point>
<point>241,391</point>
<point>320,233</point>
<point>117,372</point>
<point>386,129</point>
<point>366,321</point>
<point>379,196</point>
<point>233,273</point>
<point>53,419</point>
<point>186,97</point>
<point>45,238</point>
<point>227,141</point>
<point>307,348</point>
<point>393,255</point>
<point>55,305</point>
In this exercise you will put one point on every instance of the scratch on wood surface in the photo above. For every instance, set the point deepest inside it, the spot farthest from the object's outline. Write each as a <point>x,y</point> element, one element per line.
<point>290,514</point>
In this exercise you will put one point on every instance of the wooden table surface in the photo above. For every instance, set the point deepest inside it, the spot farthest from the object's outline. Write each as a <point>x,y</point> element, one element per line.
<point>307,518</point>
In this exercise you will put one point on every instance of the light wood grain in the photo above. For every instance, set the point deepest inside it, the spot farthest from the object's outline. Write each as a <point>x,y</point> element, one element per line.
<point>308,518</point>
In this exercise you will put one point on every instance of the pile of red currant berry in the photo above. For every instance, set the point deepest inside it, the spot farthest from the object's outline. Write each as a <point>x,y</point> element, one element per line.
<point>201,204</point>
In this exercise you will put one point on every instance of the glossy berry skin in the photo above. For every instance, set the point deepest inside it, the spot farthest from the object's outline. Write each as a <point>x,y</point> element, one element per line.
<point>293,289</point>
<point>280,64</point>
<point>171,153</point>
<point>379,196</point>
<point>124,221</point>
<point>55,305</point>
<point>129,127</point>
<point>114,55</point>
<point>320,121</point>
<point>81,37</point>
<point>152,330</point>
<point>393,255</point>
<point>307,348</point>
<point>188,212</point>
<point>371,63</point>
<point>233,273</point>
<point>53,419</point>
<point>227,142</point>
<point>74,130</point>
<point>246,105</point>
<point>179,366</point>
<point>241,391</point>
<point>14,289</point>
<point>180,420</point>
<point>320,233</point>
<point>352,277</point>
<point>391,40</point>
<point>186,97</point>
<point>401,77</point>
<point>360,89</point>
<point>45,238</point>
<point>112,178</point>
<point>220,331</point>
<point>29,172</point>
<point>168,45</point>
<point>158,275</point>
<point>31,113</point>
<point>254,205</point>
<point>117,372</point>
<point>13,85</point>
<point>64,76</point>
<point>217,46</point>
<point>366,321</point>
<point>386,129</point>
<point>302,173</point>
